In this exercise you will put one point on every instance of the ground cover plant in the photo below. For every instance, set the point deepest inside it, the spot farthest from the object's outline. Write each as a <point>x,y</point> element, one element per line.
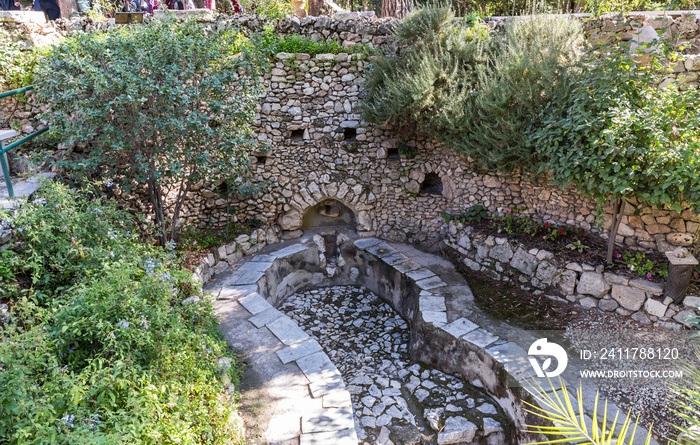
<point>101,346</point>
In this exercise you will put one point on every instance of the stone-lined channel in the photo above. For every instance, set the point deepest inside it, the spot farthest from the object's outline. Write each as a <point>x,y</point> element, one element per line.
<point>394,399</point>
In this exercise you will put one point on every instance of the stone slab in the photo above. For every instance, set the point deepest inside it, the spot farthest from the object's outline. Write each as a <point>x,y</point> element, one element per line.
<point>337,399</point>
<point>243,277</point>
<point>342,437</point>
<point>327,420</point>
<point>263,258</point>
<point>381,250</point>
<point>256,266</point>
<point>407,266</point>
<point>322,387</point>
<point>394,259</point>
<point>255,303</point>
<point>299,350</point>
<point>262,318</point>
<point>437,318</point>
<point>364,243</point>
<point>317,366</point>
<point>289,251</point>
<point>433,303</point>
<point>480,338</point>
<point>420,274</point>
<point>460,327</point>
<point>286,330</point>
<point>430,283</point>
<point>229,292</point>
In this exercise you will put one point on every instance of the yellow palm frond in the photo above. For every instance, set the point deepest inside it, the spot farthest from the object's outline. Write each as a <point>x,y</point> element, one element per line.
<point>570,423</point>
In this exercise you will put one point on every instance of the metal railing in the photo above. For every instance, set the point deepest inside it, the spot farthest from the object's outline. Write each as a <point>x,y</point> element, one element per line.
<point>4,150</point>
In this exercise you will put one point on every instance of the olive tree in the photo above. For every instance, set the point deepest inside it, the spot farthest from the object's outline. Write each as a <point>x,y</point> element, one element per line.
<point>160,106</point>
<point>616,136</point>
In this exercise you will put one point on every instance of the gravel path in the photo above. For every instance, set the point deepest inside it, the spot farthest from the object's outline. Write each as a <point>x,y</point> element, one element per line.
<point>393,398</point>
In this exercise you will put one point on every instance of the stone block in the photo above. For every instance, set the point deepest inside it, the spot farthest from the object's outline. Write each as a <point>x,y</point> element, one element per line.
<point>299,350</point>
<point>432,303</point>
<point>327,420</point>
<point>502,253</point>
<point>592,283</point>
<point>435,317</point>
<point>629,298</point>
<point>480,338</point>
<point>565,281</point>
<point>262,318</point>
<point>255,303</point>
<point>647,286</point>
<point>545,272</point>
<point>655,308</point>
<point>460,327</point>
<point>457,430</point>
<point>286,330</point>
<point>342,437</point>
<point>524,262</point>
<point>692,301</point>
<point>608,305</point>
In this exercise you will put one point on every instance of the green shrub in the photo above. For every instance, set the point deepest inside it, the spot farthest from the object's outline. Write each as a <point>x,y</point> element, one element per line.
<point>106,352</point>
<point>475,91</point>
<point>615,136</point>
<point>16,62</point>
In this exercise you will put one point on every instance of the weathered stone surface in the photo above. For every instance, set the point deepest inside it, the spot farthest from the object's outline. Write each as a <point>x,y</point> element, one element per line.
<point>607,305</point>
<point>592,283</point>
<point>545,272</point>
<point>647,286</point>
<point>692,301</point>
<point>629,298</point>
<point>502,253</point>
<point>565,281</point>
<point>654,307</point>
<point>524,262</point>
<point>457,430</point>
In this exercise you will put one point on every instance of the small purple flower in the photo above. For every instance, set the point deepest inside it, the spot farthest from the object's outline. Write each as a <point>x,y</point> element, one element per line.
<point>618,255</point>
<point>648,275</point>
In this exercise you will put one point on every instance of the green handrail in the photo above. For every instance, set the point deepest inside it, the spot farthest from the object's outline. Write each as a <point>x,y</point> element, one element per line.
<point>3,149</point>
<point>17,91</point>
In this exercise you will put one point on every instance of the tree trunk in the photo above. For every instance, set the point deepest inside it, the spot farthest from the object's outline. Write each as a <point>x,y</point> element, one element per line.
<point>396,8</point>
<point>618,208</point>
<point>154,194</point>
<point>315,7</point>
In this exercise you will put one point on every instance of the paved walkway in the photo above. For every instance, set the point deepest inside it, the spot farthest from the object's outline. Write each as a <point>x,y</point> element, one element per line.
<point>308,400</point>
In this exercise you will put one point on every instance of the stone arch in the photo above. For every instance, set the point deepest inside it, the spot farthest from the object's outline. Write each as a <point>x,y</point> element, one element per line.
<point>353,198</point>
<point>329,212</point>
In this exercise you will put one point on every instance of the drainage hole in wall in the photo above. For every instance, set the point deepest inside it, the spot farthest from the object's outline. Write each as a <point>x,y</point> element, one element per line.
<point>432,185</point>
<point>297,135</point>
<point>349,134</point>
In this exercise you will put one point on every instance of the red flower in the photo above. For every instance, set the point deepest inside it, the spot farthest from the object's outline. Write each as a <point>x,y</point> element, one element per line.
<point>561,230</point>
<point>581,234</point>
<point>546,224</point>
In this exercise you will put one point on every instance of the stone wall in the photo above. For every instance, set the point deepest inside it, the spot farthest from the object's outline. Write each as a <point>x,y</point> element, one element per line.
<point>324,153</point>
<point>583,284</point>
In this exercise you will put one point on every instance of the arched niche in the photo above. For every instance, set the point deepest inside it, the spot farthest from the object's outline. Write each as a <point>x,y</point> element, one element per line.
<point>329,212</point>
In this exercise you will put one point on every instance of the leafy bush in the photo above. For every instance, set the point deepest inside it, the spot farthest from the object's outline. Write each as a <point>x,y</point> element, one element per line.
<point>144,98</point>
<point>272,9</point>
<point>106,352</point>
<point>615,136</point>
<point>16,62</point>
<point>475,91</point>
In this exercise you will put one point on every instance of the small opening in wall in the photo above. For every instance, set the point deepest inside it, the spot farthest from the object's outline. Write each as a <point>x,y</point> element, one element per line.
<point>393,153</point>
<point>297,135</point>
<point>260,160</point>
<point>432,185</point>
<point>222,189</point>
<point>350,134</point>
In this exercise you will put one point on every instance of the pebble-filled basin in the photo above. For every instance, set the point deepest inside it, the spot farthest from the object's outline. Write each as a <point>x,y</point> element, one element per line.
<point>393,398</point>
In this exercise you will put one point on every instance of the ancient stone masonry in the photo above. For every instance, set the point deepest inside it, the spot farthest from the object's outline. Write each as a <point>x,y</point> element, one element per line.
<point>324,158</point>
<point>590,287</point>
